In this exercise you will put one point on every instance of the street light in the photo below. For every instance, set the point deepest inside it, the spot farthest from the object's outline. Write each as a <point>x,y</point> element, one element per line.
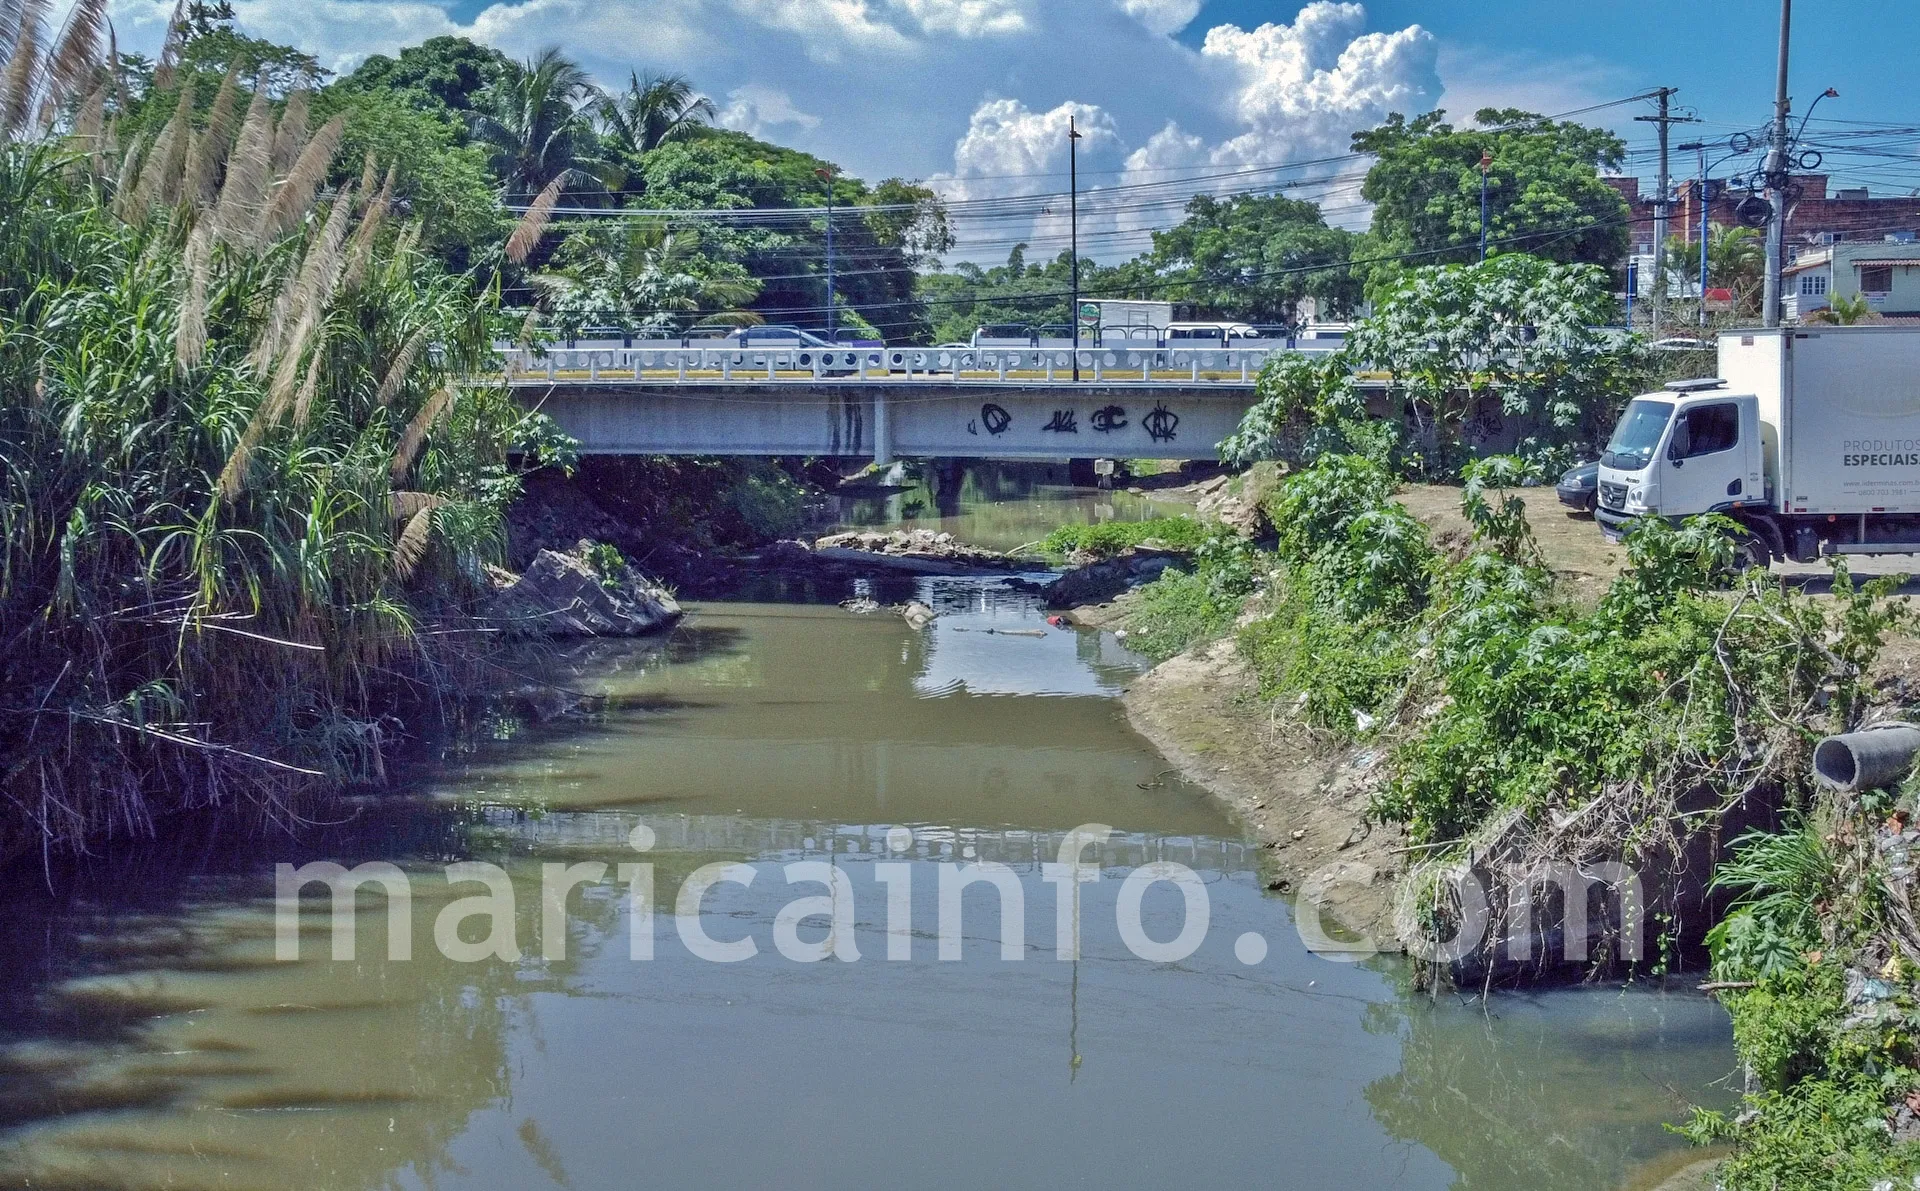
<point>1829,93</point>
<point>1706,200</point>
<point>827,174</point>
<point>1073,220</point>
<point>1486,163</point>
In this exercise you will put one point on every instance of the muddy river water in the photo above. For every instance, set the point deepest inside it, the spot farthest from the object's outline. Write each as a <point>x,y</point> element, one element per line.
<point>149,1037</point>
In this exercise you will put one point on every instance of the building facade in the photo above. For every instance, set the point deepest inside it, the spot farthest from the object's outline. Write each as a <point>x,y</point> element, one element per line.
<point>1817,216</point>
<point>1886,273</point>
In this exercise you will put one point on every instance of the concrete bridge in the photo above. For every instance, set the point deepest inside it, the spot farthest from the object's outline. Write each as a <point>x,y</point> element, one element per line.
<point>874,402</point>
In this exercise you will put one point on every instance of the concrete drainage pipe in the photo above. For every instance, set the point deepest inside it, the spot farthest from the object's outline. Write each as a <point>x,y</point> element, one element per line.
<point>1868,759</point>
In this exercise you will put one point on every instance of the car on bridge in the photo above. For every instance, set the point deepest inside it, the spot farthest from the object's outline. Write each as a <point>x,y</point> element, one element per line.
<point>840,359</point>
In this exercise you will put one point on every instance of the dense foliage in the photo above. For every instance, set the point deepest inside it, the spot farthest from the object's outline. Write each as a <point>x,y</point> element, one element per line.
<point>1544,192</point>
<point>1105,539</point>
<point>1512,348</point>
<point>1255,258</point>
<point>240,478</point>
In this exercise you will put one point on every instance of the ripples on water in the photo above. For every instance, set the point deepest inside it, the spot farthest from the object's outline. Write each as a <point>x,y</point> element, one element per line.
<point>150,1039</point>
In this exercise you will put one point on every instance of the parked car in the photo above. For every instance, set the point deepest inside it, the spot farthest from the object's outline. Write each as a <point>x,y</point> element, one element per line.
<point>768,335</point>
<point>1579,489</point>
<point>840,359</point>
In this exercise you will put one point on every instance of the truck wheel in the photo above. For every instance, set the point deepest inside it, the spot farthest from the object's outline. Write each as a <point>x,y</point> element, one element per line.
<point>1750,553</point>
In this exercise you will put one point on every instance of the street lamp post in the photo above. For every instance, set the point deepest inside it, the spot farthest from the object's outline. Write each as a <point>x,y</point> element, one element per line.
<point>1486,163</point>
<point>827,174</point>
<point>1073,223</point>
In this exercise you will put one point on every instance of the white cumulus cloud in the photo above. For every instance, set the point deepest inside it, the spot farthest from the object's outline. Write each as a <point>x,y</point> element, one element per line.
<point>967,18</point>
<point>1304,88</point>
<point>966,93</point>
<point>1162,16</point>
<point>759,110</point>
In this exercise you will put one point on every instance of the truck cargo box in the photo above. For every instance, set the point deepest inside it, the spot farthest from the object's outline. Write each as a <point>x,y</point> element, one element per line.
<point>1839,412</point>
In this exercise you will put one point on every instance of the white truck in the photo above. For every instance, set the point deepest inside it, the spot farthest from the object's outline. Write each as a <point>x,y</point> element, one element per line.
<point>1809,439</point>
<point>1127,323</point>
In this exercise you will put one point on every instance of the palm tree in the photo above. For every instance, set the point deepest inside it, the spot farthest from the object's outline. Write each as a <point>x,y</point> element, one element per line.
<point>1843,311</point>
<point>1737,261</point>
<point>535,119</point>
<point>653,110</point>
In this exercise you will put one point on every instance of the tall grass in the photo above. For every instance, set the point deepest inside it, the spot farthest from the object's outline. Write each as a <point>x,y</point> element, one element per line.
<point>238,472</point>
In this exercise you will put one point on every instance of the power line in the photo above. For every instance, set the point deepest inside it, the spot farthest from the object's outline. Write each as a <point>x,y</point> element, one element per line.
<point>1547,235</point>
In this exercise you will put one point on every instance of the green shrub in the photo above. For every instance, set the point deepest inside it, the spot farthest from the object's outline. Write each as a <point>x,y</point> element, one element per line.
<point>1818,1116</point>
<point>769,503</point>
<point>1176,612</point>
<point>1316,507</point>
<point>1340,665</point>
<point>1105,539</point>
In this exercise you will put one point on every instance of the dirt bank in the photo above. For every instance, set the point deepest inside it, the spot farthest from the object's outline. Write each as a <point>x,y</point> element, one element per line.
<point>1306,806</point>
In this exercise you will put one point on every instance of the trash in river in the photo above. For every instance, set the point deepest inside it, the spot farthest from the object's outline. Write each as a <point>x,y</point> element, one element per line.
<point>1006,632</point>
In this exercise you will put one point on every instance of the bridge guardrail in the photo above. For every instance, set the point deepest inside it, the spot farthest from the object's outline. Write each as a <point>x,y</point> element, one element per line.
<point>1238,366</point>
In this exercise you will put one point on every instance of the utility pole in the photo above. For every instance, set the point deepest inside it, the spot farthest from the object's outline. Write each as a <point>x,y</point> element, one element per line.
<point>1777,180</point>
<point>1073,219</point>
<point>827,174</point>
<point>1661,201</point>
<point>1486,163</point>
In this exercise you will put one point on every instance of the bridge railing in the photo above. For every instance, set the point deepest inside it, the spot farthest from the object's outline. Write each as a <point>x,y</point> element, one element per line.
<point>648,364</point>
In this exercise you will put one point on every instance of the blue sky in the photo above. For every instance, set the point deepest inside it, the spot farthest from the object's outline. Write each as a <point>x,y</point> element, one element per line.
<point>975,95</point>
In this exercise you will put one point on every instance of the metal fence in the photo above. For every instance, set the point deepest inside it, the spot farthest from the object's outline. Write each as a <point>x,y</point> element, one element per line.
<point>670,363</point>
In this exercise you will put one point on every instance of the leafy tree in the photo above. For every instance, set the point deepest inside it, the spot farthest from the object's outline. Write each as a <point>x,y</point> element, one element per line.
<point>1018,292</point>
<point>1545,195</point>
<point>1737,261</point>
<point>876,252</point>
<point>1517,329</point>
<point>653,110</point>
<point>210,45</point>
<point>439,181</point>
<point>640,276</point>
<point>1844,311</point>
<point>1255,257</point>
<point>534,119</point>
<point>449,73</point>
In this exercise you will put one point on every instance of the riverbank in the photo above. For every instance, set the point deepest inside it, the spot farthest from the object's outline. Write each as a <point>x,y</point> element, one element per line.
<point>1307,807</point>
<point>1546,702</point>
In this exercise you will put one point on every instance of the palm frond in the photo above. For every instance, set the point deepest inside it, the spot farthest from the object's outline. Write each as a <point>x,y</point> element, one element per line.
<point>190,339</point>
<point>396,375</point>
<point>75,56</point>
<point>296,125</point>
<point>211,149</point>
<point>169,63</point>
<point>411,546</point>
<point>22,71</point>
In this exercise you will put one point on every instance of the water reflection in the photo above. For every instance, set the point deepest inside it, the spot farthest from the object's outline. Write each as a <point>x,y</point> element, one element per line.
<point>148,1039</point>
<point>993,639</point>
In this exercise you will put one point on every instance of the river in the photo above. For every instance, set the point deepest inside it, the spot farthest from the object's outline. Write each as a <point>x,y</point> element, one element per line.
<point>149,1037</point>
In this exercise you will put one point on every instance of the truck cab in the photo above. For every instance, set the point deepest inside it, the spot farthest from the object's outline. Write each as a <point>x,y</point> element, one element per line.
<point>1692,448</point>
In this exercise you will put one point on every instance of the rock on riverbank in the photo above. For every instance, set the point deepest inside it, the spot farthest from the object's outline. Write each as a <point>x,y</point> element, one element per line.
<point>567,595</point>
<point>921,550</point>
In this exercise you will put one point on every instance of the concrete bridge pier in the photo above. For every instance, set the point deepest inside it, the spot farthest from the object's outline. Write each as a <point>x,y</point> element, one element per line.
<point>882,429</point>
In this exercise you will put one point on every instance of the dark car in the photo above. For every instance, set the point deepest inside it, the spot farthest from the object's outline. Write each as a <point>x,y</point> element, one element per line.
<point>1579,489</point>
